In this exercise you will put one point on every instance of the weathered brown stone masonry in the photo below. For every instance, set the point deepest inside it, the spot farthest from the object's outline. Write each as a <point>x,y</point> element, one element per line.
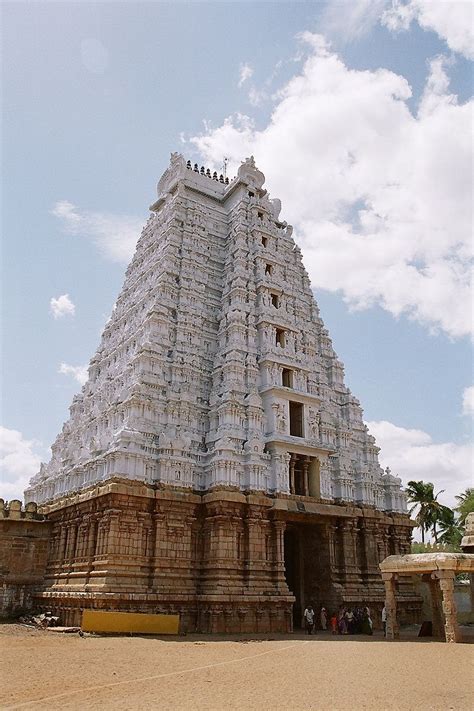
<point>225,561</point>
<point>24,539</point>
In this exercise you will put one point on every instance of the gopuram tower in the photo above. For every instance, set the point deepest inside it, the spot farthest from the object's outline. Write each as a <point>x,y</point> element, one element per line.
<point>215,464</point>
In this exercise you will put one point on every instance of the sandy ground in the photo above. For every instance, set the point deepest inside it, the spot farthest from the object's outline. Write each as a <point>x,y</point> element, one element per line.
<point>47,670</point>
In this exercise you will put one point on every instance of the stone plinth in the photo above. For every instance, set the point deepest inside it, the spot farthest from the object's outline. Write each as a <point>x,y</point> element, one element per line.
<point>220,560</point>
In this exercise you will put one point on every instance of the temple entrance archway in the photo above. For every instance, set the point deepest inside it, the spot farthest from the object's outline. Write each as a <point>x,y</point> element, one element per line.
<point>307,568</point>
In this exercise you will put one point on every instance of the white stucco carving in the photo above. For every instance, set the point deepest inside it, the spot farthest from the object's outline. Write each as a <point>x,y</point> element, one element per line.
<point>213,335</point>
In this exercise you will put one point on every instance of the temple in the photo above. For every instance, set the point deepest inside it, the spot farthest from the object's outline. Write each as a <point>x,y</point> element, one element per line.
<point>215,464</point>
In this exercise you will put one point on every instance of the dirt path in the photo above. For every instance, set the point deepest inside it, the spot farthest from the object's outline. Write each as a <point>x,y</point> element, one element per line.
<point>46,670</point>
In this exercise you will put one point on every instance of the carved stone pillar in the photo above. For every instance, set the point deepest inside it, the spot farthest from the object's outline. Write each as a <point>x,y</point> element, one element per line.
<point>72,541</point>
<point>404,540</point>
<point>392,629</point>
<point>369,537</point>
<point>306,463</point>
<point>113,537</point>
<point>436,614</point>
<point>446,584</point>
<point>380,543</point>
<point>82,533</point>
<point>253,539</point>
<point>292,474</point>
<point>91,545</point>
<point>92,537</point>
<point>331,533</point>
<point>62,542</point>
<point>349,533</point>
<point>394,541</point>
<point>280,527</point>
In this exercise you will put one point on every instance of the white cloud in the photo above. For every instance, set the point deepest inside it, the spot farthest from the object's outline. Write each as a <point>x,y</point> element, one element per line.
<point>115,235</point>
<point>257,96</point>
<point>412,454</point>
<point>78,372</point>
<point>380,198</point>
<point>452,20</point>
<point>245,72</point>
<point>351,20</point>
<point>62,306</point>
<point>19,461</point>
<point>468,401</point>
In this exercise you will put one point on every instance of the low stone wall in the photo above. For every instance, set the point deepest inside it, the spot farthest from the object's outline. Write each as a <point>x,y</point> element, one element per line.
<point>462,598</point>
<point>24,540</point>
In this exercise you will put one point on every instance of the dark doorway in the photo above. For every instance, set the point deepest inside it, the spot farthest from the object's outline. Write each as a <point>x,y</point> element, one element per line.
<point>300,488</point>
<point>296,419</point>
<point>293,572</point>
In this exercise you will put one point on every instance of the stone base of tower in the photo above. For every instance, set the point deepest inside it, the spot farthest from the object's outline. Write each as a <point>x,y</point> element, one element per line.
<point>207,617</point>
<point>224,561</point>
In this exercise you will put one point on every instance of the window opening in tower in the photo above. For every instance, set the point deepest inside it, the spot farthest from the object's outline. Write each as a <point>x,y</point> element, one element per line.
<point>280,337</point>
<point>296,419</point>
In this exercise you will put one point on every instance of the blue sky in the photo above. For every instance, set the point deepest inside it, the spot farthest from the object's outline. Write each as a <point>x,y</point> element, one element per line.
<point>358,113</point>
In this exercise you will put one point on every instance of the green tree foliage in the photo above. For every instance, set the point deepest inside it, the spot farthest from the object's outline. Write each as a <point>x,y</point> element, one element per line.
<point>447,525</point>
<point>465,505</point>
<point>450,530</point>
<point>430,512</point>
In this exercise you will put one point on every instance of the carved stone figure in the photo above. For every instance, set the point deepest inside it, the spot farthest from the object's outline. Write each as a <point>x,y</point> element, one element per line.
<point>314,423</point>
<point>280,417</point>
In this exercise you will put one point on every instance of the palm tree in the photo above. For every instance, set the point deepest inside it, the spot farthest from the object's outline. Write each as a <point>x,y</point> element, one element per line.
<point>465,505</point>
<point>449,529</point>
<point>430,510</point>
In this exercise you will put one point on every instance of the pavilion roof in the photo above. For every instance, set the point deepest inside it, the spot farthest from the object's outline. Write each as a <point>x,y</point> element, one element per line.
<point>428,562</point>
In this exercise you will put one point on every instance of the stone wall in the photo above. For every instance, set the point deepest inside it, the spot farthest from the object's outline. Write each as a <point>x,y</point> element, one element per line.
<point>24,540</point>
<point>215,559</point>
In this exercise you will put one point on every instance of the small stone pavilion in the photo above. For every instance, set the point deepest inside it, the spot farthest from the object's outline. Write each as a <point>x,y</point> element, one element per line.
<point>438,570</point>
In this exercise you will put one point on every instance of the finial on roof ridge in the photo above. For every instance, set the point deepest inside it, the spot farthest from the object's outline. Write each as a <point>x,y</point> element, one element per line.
<point>249,173</point>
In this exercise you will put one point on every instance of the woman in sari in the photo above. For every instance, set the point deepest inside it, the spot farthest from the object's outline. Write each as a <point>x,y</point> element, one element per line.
<point>341,621</point>
<point>367,627</point>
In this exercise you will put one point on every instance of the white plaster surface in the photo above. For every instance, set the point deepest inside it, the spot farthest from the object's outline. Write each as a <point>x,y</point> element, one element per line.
<point>186,385</point>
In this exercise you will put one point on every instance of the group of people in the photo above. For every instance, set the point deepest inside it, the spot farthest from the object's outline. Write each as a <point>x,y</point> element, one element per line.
<point>345,621</point>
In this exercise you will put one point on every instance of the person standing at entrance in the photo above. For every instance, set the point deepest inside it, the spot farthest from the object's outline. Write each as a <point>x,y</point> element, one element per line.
<point>309,619</point>
<point>323,618</point>
<point>384,620</point>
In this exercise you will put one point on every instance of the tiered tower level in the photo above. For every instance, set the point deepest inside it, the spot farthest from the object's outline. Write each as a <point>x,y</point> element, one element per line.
<point>215,463</point>
<point>215,369</point>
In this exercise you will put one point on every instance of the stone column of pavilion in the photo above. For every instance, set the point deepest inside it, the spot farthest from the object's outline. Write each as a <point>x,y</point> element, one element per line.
<point>393,628</point>
<point>446,584</point>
